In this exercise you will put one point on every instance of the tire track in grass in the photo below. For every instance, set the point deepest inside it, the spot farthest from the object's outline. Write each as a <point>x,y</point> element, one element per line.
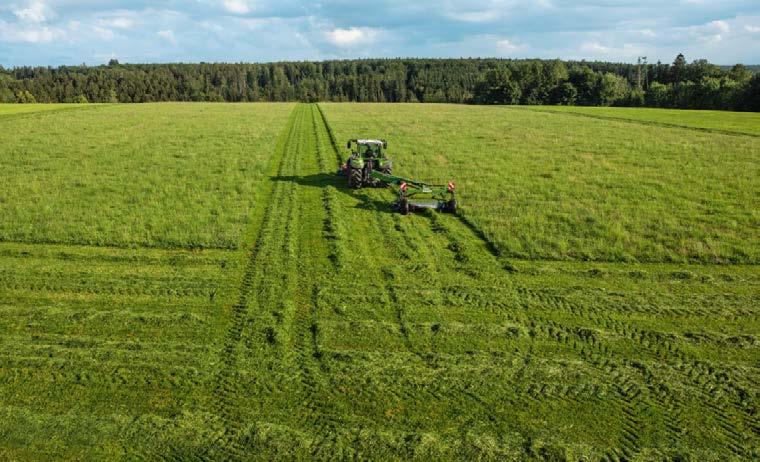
<point>638,396</point>
<point>405,240</point>
<point>435,246</point>
<point>320,414</point>
<point>228,386</point>
<point>638,393</point>
<point>697,374</point>
<point>332,227</point>
<point>381,236</point>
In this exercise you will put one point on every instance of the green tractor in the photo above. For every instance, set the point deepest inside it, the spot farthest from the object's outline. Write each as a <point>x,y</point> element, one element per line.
<point>367,156</point>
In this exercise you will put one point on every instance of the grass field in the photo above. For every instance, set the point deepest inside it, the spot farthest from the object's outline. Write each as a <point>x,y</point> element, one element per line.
<point>14,109</point>
<point>333,328</point>
<point>562,187</point>
<point>746,123</point>
<point>162,175</point>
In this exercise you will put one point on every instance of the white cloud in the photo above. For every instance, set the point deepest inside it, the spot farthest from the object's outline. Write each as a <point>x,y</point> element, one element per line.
<point>236,6</point>
<point>595,49</point>
<point>485,11</point>
<point>210,25</point>
<point>35,11</point>
<point>506,45</point>
<point>351,36</point>
<point>15,33</point>
<point>711,32</point>
<point>752,29</point>
<point>117,22</point>
<point>721,26</point>
<point>476,16</point>
<point>167,35</point>
<point>103,33</point>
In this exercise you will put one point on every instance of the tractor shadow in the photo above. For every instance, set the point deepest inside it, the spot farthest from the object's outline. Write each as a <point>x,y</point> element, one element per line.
<point>364,195</point>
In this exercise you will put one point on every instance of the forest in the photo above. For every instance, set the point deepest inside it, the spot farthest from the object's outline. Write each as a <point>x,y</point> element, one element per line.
<point>682,84</point>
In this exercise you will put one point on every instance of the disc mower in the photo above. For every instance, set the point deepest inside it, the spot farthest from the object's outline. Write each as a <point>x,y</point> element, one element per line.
<point>413,195</point>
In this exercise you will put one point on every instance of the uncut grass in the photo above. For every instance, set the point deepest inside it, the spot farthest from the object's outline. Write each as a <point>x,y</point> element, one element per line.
<point>554,186</point>
<point>157,175</point>
<point>12,109</point>
<point>737,122</point>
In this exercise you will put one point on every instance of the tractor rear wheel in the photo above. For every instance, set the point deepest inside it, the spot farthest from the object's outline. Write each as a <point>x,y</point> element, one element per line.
<point>354,178</point>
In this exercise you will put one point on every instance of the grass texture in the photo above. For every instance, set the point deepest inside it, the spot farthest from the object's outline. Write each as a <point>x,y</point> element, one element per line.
<point>339,330</point>
<point>560,187</point>
<point>746,123</point>
<point>158,175</point>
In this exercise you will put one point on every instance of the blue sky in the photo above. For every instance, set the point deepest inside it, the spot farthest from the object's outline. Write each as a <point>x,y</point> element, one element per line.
<point>55,32</point>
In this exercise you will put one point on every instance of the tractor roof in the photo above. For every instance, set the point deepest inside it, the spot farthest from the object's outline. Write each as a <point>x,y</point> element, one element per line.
<point>369,142</point>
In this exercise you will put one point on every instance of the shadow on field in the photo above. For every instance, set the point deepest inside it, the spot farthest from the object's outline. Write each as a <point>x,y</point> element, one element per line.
<point>323,180</point>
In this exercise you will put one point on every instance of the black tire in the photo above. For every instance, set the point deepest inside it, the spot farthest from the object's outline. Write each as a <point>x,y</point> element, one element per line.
<point>403,206</point>
<point>354,178</point>
<point>451,206</point>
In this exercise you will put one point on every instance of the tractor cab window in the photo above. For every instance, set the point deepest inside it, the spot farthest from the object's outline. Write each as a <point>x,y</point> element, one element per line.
<point>370,150</point>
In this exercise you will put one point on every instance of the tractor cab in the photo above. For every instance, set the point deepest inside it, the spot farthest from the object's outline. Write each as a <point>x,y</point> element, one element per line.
<point>366,156</point>
<point>368,148</point>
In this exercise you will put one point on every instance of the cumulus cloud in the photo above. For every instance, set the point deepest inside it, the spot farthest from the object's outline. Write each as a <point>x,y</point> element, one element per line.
<point>476,16</point>
<point>14,33</point>
<point>352,36</point>
<point>103,33</point>
<point>34,11</point>
<point>711,32</point>
<point>167,35</point>
<point>236,6</point>
<point>117,22</point>
<point>506,45</point>
<point>69,31</point>
<point>596,49</point>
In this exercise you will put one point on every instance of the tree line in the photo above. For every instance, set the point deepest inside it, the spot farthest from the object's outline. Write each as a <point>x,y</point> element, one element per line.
<point>695,85</point>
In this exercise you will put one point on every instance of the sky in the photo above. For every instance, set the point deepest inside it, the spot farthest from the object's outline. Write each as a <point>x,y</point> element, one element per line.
<point>69,32</point>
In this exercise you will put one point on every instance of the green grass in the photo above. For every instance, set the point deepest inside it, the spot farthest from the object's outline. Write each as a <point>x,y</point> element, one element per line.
<point>343,330</point>
<point>567,188</point>
<point>14,109</point>
<point>159,175</point>
<point>721,121</point>
<point>98,343</point>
